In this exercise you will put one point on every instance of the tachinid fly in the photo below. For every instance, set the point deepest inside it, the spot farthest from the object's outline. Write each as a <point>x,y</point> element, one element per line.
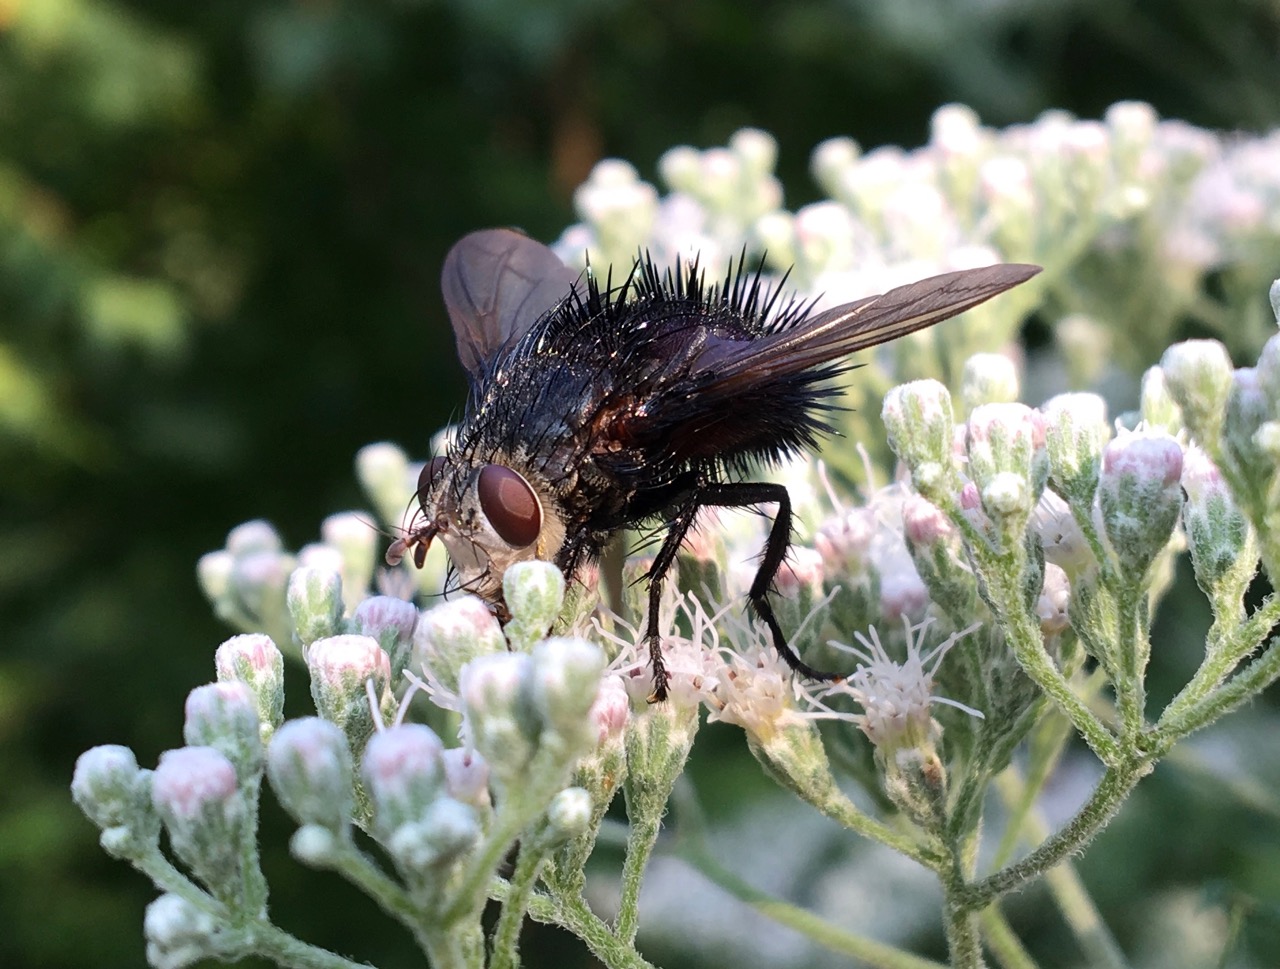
<point>594,410</point>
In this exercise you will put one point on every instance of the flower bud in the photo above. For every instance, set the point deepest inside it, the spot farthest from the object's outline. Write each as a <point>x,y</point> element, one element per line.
<point>919,420</point>
<point>1269,372</point>
<point>566,681</point>
<point>309,767</point>
<point>357,543</point>
<point>1158,409</point>
<point>1274,294</point>
<point>450,635</point>
<point>1061,537</point>
<point>1075,433</point>
<point>224,716</point>
<point>466,777</point>
<point>447,830</point>
<point>1054,601</point>
<point>1218,535</point>
<point>1247,410</point>
<point>383,472</point>
<point>568,815</point>
<point>179,934</point>
<point>534,592</point>
<point>844,541</point>
<point>500,719</point>
<point>988,378</point>
<point>115,794</point>
<point>938,556</point>
<point>1007,438</point>
<point>254,660</point>
<point>315,604</point>
<point>391,622</point>
<point>1140,496</point>
<point>315,846</point>
<point>340,668</point>
<point>253,536</point>
<point>196,795</point>
<point>1197,374</point>
<point>403,771</point>
<point>213,572</point>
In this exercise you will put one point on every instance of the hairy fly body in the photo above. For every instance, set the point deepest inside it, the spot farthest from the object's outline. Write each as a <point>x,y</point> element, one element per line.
<point>594,410</point>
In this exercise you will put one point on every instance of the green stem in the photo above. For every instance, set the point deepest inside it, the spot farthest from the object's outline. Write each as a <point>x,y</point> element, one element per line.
<point>285,950</point>
<point>576,916</point>
<point>964,945</point>
<point>1002,941</point>
<point>506,935</point>
<point>1131,693</point>
<point>1101,807</point>
<point>1027,643</point>
<point>1237,691</point>
<point>640,842</point>
<point>875,954</point>
<point>359,869</point>
<point>1232,644</point>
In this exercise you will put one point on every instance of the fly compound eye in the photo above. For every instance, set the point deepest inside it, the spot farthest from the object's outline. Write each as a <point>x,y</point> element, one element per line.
<point>510,505</point>
<point>430,472</point>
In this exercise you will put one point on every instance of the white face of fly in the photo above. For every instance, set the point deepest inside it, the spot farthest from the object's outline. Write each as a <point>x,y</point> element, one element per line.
<point>489,517</point>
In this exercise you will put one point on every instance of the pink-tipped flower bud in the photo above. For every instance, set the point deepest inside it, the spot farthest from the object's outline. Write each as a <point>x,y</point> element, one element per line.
<point>500,718</point>
<point>568,815</point>
<point>1007,438</point>
<point>197,796</point>
<point>224,716</point>
<point>1218,535</point>
<point>566,682</point>
<point>1075,433</point>
<point>391,621</point>
<point>452,634</point>
<point>844,541</point>
<point>254,659</point>
<point>309,768</point>
<point>1248,409</point>
<point>315,604</point>
<point>115,794</point>
<point>534,593</point>
<point>342,669</point>
<point>403,771</point>
<point>1197,375</point>
<point>919,419</point>
<point>1140,497</point>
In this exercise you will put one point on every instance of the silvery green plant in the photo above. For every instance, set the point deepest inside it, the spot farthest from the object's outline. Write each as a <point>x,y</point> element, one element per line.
<point>986,571</point>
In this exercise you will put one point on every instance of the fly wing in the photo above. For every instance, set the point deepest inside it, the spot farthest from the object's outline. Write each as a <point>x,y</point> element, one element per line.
<point>497,283</point>
<point>729,365</point>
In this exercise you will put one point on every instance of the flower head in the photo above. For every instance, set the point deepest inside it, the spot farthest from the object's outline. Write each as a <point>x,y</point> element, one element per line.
<point>895,696</point>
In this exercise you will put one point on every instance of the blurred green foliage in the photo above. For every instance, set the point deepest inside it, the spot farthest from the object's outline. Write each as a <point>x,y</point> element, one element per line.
<point>220,231</point>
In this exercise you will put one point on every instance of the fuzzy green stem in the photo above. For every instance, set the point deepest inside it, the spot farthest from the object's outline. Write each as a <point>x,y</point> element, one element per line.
<point>285,950</point>
<point>1072,898</point>
<point>1112,789</point>
<point>1231,644</point>
<point>875,954</point>
<point>640,841</point>
<point>1027,643</point>
<point>574,915</point>
<point>506,935</point>
<point>1002,941</point>
<point>1237,691</point>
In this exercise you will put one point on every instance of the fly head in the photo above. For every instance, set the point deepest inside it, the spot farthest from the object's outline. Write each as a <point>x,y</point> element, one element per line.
<point>489,517</point>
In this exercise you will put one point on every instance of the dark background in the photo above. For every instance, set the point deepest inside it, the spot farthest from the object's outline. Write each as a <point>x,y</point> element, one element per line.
<point>221,226</point>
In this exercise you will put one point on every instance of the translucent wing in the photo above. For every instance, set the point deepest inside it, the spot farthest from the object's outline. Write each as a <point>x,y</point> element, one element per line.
<point>726,365</point>
<point>497,283</point>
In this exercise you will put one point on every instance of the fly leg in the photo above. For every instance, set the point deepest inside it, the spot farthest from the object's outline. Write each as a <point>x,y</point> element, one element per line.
<point>744,493</point>
<point>729,495</point>
<point>676,531</point>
